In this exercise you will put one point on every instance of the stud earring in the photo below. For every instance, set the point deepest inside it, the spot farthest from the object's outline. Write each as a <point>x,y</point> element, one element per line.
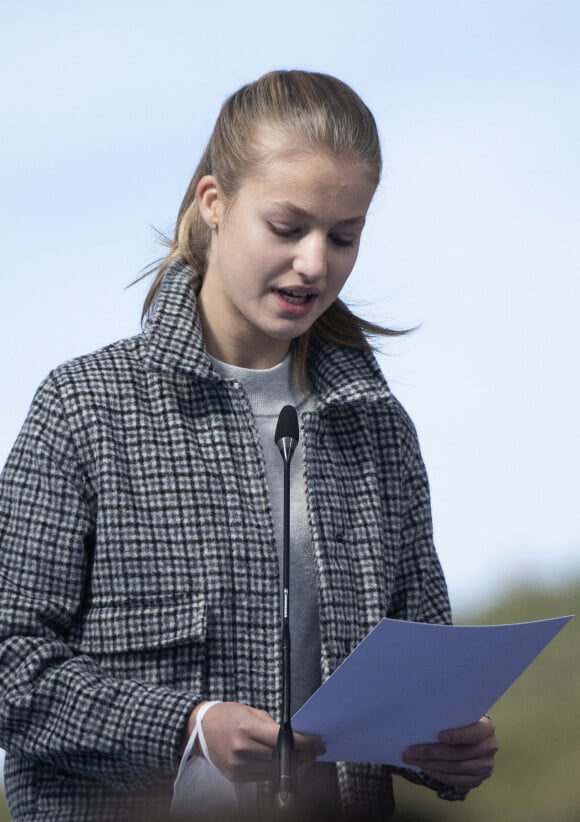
<point>213,226</point>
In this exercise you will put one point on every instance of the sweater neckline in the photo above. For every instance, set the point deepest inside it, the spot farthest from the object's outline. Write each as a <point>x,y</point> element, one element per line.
<point>267,389</point>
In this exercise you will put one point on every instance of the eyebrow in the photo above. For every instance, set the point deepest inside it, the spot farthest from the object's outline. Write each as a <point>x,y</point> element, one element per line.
<point>291,208</point>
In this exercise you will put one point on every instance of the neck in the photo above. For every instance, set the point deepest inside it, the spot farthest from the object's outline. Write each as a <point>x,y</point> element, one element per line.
<point>240,352</point>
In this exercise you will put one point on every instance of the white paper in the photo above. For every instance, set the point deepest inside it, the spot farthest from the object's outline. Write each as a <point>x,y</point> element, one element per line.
<point>407,681</point>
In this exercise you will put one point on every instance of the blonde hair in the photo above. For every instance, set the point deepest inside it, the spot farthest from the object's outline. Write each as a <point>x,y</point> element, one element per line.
<point>321,113</point>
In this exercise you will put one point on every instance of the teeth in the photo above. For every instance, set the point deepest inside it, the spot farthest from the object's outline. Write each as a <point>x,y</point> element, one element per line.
<point>296,297</point>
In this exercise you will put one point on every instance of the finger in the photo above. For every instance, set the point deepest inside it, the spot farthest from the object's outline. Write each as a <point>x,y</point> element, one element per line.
<point>469,734</point>
<point>257,770</point>
<point>473,746</point>
<point>247,764</point>
<point>309,744</point>
<point>478,766</point>
<point>452,753</point>
<point>256,724</point>
<point>255,763</point>
<point>240,741</point>
<point>460,773</point>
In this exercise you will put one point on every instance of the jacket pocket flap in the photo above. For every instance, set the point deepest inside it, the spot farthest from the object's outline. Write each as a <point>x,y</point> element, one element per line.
<point>144,627</point>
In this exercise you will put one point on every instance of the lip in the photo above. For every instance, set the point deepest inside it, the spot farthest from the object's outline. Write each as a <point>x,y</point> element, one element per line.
<point>296,309</point>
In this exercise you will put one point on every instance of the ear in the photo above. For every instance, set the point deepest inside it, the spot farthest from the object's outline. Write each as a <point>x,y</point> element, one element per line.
<point>210,200</point>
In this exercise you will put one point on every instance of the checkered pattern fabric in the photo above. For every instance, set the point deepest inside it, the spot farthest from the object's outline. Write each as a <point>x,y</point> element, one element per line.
<point>138,571</point>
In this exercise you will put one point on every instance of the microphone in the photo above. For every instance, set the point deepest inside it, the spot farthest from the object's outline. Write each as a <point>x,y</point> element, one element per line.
<point>286,438</point>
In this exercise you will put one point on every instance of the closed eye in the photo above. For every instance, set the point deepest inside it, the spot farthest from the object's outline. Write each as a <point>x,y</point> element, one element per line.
<point>341,242</point>
<point>281,231</point>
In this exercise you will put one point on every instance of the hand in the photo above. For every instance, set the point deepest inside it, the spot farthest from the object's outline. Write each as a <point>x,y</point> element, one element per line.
<point>241,740</point>
<point>462,757</point>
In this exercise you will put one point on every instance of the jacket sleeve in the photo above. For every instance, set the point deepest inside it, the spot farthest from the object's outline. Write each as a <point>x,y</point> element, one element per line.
<point>56,704</point>
<point>420,592</point>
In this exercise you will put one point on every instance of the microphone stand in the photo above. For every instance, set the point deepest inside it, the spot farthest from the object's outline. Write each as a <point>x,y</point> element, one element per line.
<point>284,794</point>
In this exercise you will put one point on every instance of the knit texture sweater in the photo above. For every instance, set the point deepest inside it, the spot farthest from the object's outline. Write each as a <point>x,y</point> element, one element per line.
<point>268,391</point>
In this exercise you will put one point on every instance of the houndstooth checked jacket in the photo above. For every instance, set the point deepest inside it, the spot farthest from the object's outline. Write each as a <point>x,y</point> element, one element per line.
<point>138,569</point>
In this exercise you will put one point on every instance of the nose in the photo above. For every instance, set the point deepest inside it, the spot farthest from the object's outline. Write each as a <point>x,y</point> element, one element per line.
<point>311,259</point>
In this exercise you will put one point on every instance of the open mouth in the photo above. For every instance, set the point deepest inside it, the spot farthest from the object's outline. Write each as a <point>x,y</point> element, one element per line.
<point>295,297</point>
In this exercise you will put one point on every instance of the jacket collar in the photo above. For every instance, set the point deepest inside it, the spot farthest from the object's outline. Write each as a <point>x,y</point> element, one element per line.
<point>345,375</point>
<point>173,341</point>
<point>173,344</point>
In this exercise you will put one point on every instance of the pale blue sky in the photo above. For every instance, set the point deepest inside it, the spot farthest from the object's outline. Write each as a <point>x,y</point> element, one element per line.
<point>474,233</point>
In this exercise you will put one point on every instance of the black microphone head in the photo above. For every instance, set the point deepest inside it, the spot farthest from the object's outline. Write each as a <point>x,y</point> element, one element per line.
<point>287,425</point>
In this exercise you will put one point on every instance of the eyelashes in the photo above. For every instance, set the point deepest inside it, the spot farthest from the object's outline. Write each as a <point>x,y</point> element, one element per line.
<point>290,233</point>
<point>341,242</point>
<point>283,232</point>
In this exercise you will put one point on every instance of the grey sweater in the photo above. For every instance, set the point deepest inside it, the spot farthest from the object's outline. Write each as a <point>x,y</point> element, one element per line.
<point>268,390</point>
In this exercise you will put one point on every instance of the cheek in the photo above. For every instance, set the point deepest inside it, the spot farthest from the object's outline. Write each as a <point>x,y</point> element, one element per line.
<point>259,246</point>
<point>343,269</point>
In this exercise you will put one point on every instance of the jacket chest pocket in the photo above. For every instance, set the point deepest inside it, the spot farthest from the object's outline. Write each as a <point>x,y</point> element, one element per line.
<point>154,641</point>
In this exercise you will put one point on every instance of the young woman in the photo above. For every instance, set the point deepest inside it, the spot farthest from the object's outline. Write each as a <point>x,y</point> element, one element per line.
<point>140,517</point>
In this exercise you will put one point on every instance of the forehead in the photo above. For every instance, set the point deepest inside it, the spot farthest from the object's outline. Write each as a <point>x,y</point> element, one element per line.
<point>288,170</point>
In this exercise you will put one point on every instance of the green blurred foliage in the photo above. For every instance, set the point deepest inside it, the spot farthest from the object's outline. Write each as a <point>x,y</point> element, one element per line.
<point>538,727</point>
